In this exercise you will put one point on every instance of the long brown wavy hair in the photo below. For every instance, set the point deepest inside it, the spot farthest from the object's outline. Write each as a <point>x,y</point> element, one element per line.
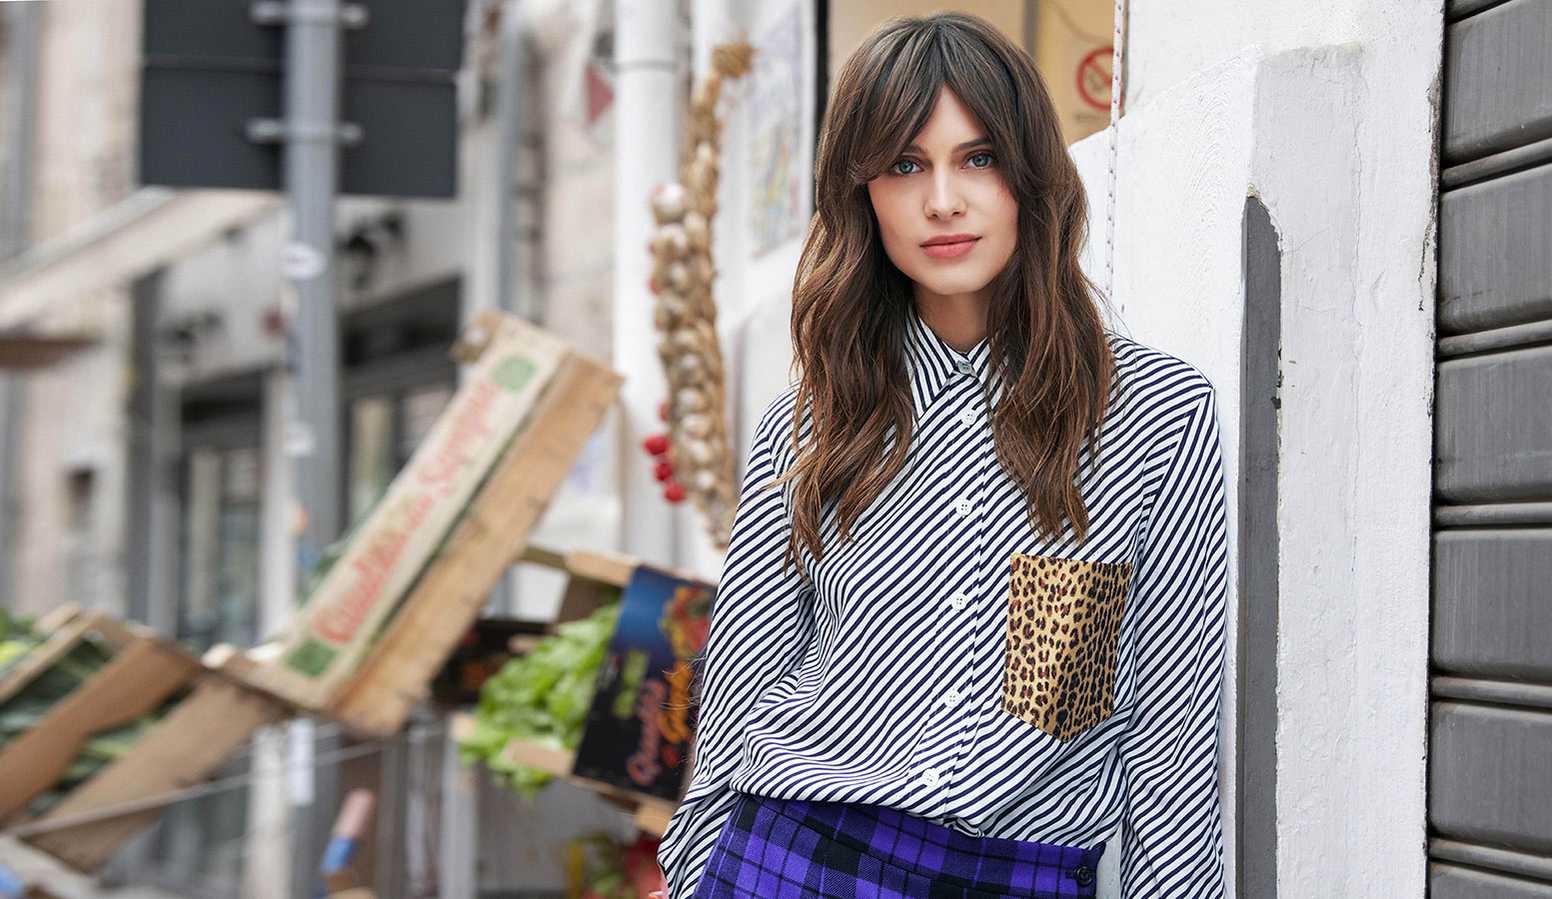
<point>851,305</point>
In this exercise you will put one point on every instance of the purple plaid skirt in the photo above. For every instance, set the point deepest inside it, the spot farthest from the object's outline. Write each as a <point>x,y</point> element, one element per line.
<point>786,848</point>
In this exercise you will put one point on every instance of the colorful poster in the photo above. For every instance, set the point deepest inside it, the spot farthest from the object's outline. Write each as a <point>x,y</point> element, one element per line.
<point>638,730</point>
<point>775,104</point>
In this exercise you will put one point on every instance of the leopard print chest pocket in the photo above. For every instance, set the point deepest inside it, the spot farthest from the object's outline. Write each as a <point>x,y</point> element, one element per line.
<point>1064,622</point>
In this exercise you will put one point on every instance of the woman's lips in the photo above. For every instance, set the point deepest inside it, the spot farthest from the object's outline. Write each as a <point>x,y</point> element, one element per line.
<point>950,250</point>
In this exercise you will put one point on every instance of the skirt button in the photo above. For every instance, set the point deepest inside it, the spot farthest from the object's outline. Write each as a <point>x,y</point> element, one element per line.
<point>1083,874</point>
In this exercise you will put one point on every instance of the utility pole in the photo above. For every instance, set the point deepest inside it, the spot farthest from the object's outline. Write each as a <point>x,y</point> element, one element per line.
<point>312,133</point>
<point>210,89</point>
<point>311,170</point>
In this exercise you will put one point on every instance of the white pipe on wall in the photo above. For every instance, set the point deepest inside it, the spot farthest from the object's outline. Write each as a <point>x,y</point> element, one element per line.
<point>648,85</point>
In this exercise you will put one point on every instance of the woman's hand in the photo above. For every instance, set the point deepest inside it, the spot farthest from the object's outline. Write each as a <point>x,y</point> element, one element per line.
<point>658,894</point>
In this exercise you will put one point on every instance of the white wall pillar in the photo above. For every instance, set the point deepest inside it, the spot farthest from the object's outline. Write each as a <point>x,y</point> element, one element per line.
<point>647,118</point>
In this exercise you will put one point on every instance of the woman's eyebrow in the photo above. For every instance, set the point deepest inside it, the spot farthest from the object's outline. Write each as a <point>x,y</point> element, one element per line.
<point>964,146</point>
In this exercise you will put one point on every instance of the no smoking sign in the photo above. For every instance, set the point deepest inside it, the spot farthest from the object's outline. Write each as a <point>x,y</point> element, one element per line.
<point>1094,77</point>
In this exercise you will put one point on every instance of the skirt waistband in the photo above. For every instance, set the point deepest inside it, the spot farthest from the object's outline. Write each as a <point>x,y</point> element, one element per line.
<point>934,850</point>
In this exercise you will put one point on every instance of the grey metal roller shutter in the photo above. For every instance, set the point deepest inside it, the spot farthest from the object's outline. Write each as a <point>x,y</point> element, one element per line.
<point>1490,714</point>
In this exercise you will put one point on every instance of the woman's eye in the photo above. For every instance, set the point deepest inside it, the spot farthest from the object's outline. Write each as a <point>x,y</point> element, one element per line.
<point>906,162</point>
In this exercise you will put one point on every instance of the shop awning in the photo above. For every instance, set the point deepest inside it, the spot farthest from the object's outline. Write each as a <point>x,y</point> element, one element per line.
<point>149,229</point>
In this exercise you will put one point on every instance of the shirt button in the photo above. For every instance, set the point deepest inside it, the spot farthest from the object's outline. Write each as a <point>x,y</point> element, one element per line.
<point>952,697</point>
<point>930,777</point>
<point>965,368</point>
<point>967,417</point>
<point>964,508</point>
<point>958,600</point>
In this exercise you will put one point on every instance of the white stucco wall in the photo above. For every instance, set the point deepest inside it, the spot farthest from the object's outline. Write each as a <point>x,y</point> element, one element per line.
<point>1329,119</point>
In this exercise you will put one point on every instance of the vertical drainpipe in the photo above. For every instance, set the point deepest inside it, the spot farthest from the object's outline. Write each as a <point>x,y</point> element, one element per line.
<point>647,123</point>
<point>19,112</point>
<point>509,133</point>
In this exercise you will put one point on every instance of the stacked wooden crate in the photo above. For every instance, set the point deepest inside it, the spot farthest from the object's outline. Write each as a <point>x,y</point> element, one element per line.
<point>203,717</point>
<point>412,580</point>
<point>371,637</point>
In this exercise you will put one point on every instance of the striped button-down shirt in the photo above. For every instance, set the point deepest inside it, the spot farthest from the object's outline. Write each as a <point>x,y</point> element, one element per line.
<point>951,663</point>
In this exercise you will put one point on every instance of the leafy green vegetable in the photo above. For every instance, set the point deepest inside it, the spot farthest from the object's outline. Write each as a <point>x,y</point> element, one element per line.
<point>542,697</point>
<point>16,639</point>
<point>23,711</point>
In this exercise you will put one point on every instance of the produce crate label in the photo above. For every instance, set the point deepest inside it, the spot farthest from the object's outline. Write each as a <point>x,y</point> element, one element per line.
<point>333,631</point>
<point>638,729</point>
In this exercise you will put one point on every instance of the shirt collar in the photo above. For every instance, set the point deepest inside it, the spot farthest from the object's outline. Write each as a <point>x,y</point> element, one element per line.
<point>934,363</point>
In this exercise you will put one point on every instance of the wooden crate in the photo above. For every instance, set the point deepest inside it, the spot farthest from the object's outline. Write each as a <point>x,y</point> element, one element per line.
<point>142,671</point>
<point>649,813</point>
<point>215,717</point>
<point>396,670</point>
<point>595,579</point>
<point>62,629</point>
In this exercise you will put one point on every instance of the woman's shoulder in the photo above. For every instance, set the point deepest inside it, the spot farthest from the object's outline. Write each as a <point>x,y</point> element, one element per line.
<point>773,428</point>
<point>1156,392</point>
<point>775,421</point>
<point>1153,374</point>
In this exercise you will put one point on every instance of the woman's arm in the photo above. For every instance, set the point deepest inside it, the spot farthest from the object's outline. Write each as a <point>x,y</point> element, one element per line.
<point>761,621</point>
<point>1171,835</point>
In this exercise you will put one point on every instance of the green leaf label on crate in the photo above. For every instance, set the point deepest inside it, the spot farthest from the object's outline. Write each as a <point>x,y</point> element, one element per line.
<point>311,658</point>
<point>514,373</point>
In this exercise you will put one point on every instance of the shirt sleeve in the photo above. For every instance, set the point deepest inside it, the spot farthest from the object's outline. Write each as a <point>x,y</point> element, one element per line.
<point>761,622</point>
<point>1171,832</point>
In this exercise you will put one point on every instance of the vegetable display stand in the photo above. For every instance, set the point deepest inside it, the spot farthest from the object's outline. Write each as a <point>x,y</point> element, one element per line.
<point>414,575</point>
<point>125,715</point>
<point>595,579</point>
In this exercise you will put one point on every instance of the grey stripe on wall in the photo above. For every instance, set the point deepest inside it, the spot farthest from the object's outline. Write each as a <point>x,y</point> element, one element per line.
<point>1260,380</point>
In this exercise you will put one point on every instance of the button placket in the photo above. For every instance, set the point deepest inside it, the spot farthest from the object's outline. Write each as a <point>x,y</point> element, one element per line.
<point>970,727</point>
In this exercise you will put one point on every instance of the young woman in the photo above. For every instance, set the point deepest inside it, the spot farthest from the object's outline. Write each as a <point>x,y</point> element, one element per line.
<point>971,620</point>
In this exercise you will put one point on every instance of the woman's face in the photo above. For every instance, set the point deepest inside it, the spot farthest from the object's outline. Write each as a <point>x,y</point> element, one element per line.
<point>947,184</point>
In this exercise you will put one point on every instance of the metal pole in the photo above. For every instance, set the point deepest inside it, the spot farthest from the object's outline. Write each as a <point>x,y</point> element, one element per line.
<point>312,89</point>
<point>312,160</point>
<point>509,117</point>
